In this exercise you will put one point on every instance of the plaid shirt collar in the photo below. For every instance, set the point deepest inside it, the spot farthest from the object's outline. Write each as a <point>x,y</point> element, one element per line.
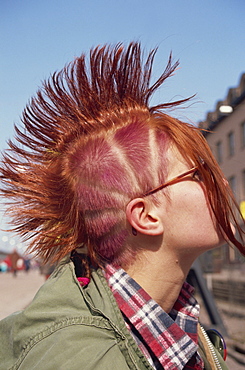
<point>168,341</point>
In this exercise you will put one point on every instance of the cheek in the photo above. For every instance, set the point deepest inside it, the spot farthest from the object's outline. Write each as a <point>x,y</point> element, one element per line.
<point>189,209</point>
<point>187,220</point>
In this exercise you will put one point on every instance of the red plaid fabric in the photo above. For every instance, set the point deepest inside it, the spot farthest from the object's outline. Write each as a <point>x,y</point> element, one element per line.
<point>168,341</point>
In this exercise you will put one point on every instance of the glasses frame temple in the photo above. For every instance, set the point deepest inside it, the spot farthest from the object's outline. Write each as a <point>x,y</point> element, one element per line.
<point>170,182</point>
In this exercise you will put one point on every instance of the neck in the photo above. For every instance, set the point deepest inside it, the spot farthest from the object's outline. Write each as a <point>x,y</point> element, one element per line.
<point>162,277</point>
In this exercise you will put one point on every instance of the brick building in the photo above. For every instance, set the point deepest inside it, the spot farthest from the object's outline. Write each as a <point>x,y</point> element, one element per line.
<point>226,138</point>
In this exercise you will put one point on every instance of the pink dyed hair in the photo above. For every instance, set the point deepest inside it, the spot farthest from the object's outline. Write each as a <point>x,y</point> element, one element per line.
<point>90,143</point>
<point>105,171</point>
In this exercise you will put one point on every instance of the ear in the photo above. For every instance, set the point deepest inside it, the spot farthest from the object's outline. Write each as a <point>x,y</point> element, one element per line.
<point>143,216</point>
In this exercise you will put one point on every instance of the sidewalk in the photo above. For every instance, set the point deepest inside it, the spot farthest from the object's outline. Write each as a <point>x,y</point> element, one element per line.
<point>17,292</point>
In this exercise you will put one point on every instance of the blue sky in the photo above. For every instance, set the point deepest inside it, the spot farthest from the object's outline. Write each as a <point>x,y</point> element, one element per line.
<point>40,37</point>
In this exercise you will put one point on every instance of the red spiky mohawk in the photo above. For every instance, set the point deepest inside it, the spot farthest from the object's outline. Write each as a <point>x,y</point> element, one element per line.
<point>79,101</point>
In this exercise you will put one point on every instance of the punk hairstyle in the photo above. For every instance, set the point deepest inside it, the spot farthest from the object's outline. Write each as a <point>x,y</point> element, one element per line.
<point>90,143</point>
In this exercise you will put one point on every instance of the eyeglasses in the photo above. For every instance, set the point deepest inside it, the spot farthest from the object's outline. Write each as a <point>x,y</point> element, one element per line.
<point>172,181</point>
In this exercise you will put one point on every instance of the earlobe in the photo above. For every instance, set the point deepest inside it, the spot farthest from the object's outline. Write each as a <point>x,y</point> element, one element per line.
<point>143,217</point>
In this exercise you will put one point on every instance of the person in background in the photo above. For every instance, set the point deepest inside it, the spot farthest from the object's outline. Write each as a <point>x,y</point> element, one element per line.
<point>125,197</point>
<point>27,264</point>
<point>14,258</point>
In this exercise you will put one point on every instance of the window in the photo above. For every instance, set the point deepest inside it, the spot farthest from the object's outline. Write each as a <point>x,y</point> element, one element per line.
<point>243,183</point>
<point>243,134</point>
<point>231,144</point>
<point>232,183</point>
<point>219,152</point>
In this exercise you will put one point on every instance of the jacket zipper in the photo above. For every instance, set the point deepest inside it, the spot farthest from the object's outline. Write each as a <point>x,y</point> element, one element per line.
<point>210,346</point>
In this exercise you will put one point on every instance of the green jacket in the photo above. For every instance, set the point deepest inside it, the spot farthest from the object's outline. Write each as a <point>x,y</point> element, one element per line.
<point>69,327</point>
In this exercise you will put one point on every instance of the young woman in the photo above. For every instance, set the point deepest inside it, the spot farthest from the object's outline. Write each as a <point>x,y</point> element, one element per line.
<point>126,197</point>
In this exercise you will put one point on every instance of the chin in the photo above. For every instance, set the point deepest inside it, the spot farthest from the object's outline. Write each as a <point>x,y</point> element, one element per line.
<point>214,244</point>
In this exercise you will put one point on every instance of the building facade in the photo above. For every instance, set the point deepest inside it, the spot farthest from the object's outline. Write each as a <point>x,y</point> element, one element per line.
<point>224,129</point>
